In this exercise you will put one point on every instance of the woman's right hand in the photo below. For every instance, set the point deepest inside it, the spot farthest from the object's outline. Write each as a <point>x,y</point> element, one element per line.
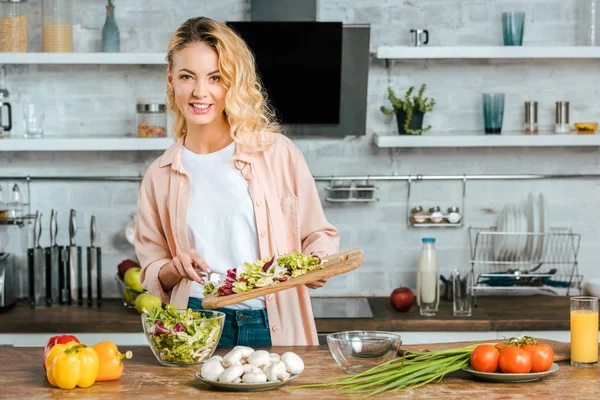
<point>186,265</point>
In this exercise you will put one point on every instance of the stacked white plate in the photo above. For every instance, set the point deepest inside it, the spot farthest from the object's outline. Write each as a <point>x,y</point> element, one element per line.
<point>521,219</point>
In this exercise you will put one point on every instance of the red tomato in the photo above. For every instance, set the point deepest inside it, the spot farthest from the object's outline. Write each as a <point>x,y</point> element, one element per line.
<point>514,360</point>
<point>541,355</point>
<point>485,358</point>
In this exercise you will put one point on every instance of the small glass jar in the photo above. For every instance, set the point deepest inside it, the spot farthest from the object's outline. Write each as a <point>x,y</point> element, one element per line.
<point>364,190</point>
<point>57,26</point>
<point>418,215</point>
<point>151,120</point>
<point>15,205</point>
<point>454,216</point>
<point>13,26</point>
<point>435,215</point>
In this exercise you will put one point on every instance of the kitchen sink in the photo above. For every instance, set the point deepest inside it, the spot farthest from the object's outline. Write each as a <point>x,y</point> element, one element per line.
<point>341,307</point>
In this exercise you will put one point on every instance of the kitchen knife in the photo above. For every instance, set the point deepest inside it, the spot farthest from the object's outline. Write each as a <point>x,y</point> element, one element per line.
<point>50,264</point>
<point>91,258</point>
<point>74,278</point>
<point>94,266</point>
<point>31,260</point>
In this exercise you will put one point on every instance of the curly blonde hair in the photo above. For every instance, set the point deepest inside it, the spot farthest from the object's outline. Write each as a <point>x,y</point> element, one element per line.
<point>251,119</point>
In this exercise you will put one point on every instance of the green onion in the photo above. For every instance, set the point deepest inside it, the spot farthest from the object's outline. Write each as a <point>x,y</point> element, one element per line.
<point>412,370</point>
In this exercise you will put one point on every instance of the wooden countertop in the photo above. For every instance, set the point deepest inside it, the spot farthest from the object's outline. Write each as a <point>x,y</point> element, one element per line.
<point>493,314</point>
<point>22,376</point>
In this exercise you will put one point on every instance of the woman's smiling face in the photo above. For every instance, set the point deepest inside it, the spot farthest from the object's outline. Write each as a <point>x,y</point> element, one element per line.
<point>195,78</point>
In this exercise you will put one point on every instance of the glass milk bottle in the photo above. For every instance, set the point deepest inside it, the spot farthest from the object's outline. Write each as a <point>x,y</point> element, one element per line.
<point>428,276</point>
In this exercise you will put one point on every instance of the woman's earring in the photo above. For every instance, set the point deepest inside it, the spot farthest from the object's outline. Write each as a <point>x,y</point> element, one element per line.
<point>172,92</point>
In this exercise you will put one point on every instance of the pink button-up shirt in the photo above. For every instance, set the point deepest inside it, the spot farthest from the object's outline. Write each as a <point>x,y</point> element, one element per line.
<point>289,218</point>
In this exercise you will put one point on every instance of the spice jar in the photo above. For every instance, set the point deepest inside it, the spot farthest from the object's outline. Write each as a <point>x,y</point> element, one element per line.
<point>13,25</point>
<point>151,120</point>
<point>562,117</point>
<point>340,189</point>
<point>454,216</point>
<point>531,118</point>
<point>418,215</point>
<point>57,30</point>
<point>364,190</point>
<point>435,215</point>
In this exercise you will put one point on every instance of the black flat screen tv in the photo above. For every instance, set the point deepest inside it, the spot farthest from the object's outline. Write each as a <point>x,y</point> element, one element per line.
<point>300,66</point>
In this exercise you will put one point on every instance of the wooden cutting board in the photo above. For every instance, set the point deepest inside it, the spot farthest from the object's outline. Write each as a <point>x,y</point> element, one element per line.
<point>335,264</point>
<point>562,351</point>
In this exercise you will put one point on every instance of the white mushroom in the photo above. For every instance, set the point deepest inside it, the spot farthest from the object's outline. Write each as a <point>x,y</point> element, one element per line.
<point>246,351</point>
<point>250,368</point>
<point>276,371</point>
<point>237,380</point>
<point>254,377</point>
<point>293,362</point>
<point>275,357</point>
<point>231,373</point>
<point>216,358</point>
<point>259,358</point>
<point>212,369</point>
<point>232,357</point>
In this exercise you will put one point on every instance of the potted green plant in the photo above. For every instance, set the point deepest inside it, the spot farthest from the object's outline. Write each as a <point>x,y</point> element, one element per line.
<point>410,110</point>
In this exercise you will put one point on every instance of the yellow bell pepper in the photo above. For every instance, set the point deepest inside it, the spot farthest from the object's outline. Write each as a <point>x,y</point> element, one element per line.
<point>111,361</point>
<point>72,364</point>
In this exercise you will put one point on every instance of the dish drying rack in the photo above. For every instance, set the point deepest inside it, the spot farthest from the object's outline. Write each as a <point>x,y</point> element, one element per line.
<point>545,261</point>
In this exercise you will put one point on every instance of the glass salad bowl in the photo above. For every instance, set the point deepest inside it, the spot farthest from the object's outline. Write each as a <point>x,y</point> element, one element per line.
<point>358,351</point>
<point>182,338</point>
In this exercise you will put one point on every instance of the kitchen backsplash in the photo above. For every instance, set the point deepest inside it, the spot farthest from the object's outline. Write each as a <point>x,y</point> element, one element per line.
<point>97,100</point>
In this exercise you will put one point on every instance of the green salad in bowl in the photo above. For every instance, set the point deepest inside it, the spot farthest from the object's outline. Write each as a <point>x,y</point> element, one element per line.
<point>182,337</point>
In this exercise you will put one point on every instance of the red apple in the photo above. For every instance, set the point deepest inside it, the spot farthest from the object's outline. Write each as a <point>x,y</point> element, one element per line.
<point>125,265</point>
<point>402,299</point>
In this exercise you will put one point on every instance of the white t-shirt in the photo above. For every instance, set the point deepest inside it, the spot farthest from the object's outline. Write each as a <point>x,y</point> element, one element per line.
<point>220,217</point>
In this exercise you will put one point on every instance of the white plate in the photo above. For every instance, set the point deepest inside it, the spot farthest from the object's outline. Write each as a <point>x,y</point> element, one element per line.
<point>522,229</point>
<point>246,387</point>
<point>498,239</point>
<point>510,239</point>
<point>511,378</point>
<point>543,225</point>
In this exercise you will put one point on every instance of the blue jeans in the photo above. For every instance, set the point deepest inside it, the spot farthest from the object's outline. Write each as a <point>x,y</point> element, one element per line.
<point>241,327</point>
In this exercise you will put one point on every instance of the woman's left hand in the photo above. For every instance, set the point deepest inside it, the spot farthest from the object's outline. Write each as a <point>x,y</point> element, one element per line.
<point>321,282</point>
<point>317,284</point>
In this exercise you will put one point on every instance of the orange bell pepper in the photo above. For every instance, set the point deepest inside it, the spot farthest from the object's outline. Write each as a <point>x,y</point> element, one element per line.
<point>110,361</point>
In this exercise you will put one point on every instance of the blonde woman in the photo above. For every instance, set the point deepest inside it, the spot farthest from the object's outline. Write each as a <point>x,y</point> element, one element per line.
<point>231,189</point>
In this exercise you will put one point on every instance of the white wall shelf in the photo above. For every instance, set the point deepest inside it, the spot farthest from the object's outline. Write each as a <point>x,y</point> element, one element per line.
<point>109,143</point>
<point>83,58</point>
<point>548,140</point>
<point>485,52</point>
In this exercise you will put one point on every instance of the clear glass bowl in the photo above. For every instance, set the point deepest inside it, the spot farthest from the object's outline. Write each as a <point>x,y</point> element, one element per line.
<point>205,351</point>
<point>128,295</point>
<point>358,351</point>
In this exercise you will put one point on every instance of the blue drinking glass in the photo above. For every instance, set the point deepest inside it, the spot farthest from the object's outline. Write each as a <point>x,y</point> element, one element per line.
<point>512,27</point>
<point>493,112</point>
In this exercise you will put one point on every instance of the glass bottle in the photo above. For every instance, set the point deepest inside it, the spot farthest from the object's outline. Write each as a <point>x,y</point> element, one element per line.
<point>111,42</point>
<point>3,206</point>
<point>57,30</point>
<point>428,275</point>
<point>13,26</point>
<point>15,205</point>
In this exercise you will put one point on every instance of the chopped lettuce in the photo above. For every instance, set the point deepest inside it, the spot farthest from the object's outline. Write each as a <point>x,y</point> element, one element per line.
<point>182,337</point>
<point>265,272</point>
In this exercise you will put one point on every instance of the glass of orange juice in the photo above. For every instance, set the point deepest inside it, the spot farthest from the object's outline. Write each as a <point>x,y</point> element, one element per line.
<point>584,331</point>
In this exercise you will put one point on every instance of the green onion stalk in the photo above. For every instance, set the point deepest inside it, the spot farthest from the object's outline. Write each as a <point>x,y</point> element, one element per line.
<point>412,370</point>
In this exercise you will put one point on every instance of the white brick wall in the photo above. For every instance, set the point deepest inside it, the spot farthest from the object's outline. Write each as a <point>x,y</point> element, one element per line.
<point>96,100</point>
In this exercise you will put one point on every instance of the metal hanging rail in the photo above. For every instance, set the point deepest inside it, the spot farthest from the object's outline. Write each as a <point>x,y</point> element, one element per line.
<point>416,177</point>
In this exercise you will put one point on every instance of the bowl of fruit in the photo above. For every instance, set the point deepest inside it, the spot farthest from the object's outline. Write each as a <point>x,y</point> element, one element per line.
<point>129,283</point>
